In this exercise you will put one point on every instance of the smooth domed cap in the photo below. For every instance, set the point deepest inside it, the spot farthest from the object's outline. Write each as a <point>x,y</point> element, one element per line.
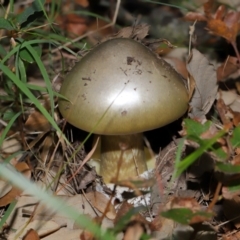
<point>121,87</point>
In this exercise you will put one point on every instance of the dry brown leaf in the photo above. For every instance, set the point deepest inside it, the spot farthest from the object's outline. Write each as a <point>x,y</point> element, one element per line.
<point>125,208</point>
<point>37,122</point>
<point>138,32</point>
<point>43,228</point>
<point>11,146</point>
<point>206,86</point>
<point>31,235</point>
<point>46,149</point>
<point>73,24</point>
<point>229,67</point>
<point>134,231</point>
<point>193,16</point>
<point>10,196</point>
<point>163,228</point>
<point>78,202</point>
<point>232,236</point>
<point>193,205</point>
<point>100,202</point>
<point>224,25</point>
<point>14,193</point>
<point>83,3</point>
<point>224,114</point>
<point>23,168</point>
<point>64,233</point>
<point>179,65</point>
<point>4,188</point>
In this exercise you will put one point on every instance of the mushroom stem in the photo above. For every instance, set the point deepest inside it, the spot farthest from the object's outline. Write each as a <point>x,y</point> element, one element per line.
<point>122,157</point>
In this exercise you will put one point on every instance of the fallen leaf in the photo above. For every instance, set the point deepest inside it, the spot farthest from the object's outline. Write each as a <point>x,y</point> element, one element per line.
<point>31,235</point>
<point>193,16</point>
<point>14,193</point>
<point>179,65</point>
<point>46,147</point>
<point>138,32</point>
<point>83,3</point>
<point>73,24</point>
<point>206,86</point>
<point>40,227</point>
<point>11,146</point>
<point>37,122</point>
<point>100,202</point>
<point>229,67</point>
<point>134,231</point>
<point>186,211</point>
<point>4,188</point>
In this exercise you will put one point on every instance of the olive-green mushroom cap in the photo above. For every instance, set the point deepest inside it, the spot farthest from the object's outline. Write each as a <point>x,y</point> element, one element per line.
<point>121,87</point>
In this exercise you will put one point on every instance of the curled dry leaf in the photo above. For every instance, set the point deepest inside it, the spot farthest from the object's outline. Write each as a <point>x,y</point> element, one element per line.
<point>90,206</point>
<point>37,122</point>
<point>138,32</point>
<point>40,228</point>
<point>231,110</point>
<point>101,202</point>
<point>221,23</point>
<point>206,86</point>
<point>190,209</point>
<point>14,193</point>
<point>73,24</point>
<point>31,235</point>
<point>11,146</point>
<point>83,3</point>
<point>179,65</point>
<point>229,67</point>
<point>4,188</point>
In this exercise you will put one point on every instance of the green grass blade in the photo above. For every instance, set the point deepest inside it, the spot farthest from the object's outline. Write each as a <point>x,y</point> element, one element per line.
<point>44,74</point>
<point>191,158</point>
<point>8,127</point>
<point>7,213</point>
<point>29,94</point>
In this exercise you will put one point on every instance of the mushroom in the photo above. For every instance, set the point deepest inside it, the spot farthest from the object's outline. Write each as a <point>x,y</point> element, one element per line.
<point>119,90</point>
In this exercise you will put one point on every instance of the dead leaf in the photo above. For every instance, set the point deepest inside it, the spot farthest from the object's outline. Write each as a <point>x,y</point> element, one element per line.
<point>232,236</point>
<point>73,24</point>
<point>11,146</point>
<point>83,3</point>
<point>206,86</point>
<point>193,16</point>
<point>224,114</point>
<point>224,25</point>
<point>134,231</point>
<point>31,235</point>
<point>178,65</point>
<point>229,67</point>
<point>199,215</point>
<point>23,168</point>
<point>14,193</point>
<point>37,122</point>
<point>4,188</point>
<point>100,202</point>
<point>40,227</point>
<point>138,32</point>
<point>79,202</point>
<point>46,148</point>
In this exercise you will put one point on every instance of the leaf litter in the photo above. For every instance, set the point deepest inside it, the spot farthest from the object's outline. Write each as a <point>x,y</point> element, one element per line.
<point>164,204</point>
